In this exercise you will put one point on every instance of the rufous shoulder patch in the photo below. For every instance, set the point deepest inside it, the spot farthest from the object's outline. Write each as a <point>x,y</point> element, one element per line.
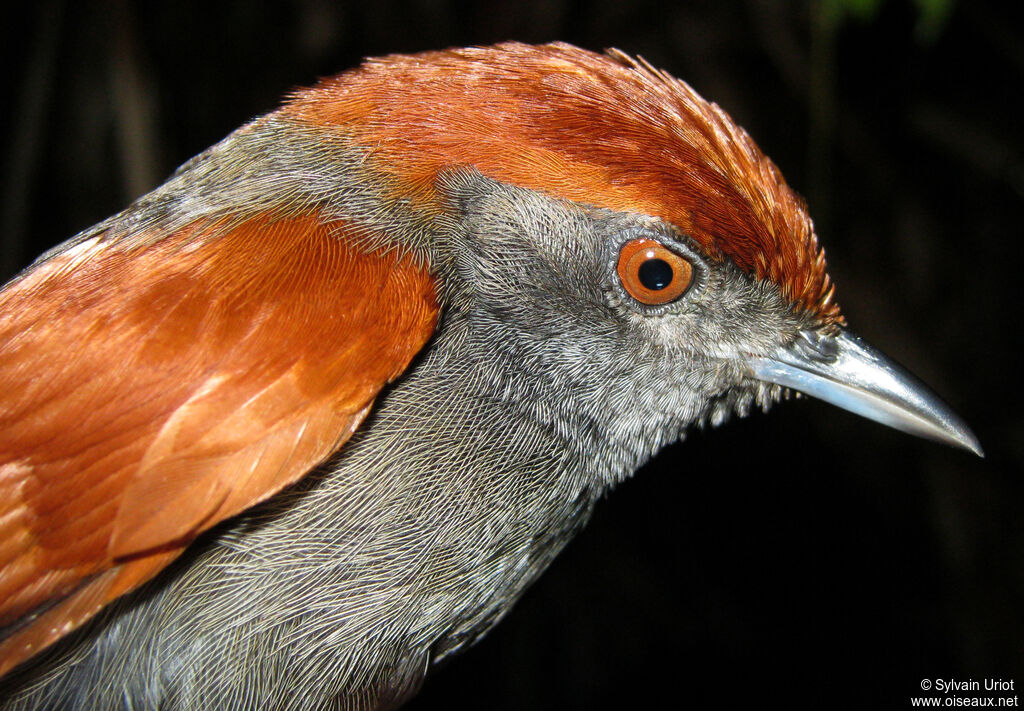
<point>150,388</point>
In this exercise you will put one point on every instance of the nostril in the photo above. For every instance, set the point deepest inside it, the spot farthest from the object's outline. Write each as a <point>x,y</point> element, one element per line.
<point>817,346</point>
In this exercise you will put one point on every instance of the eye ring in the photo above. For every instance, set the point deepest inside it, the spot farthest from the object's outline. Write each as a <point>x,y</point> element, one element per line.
<point>651,273</point>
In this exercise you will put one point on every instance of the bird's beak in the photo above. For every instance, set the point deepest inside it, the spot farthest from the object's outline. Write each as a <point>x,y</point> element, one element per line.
<point>845,371</point>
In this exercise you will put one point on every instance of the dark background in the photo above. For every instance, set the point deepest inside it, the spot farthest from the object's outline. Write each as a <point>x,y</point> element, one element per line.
<point>807,558</point>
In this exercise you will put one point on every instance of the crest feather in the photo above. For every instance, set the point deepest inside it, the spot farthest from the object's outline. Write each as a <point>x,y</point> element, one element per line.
<point>606,130</point>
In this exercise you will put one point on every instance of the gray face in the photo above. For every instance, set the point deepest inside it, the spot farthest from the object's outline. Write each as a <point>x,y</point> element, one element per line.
<point>535,279</point>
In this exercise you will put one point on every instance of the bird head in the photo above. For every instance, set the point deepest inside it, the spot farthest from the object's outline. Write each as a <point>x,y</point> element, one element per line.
<point>615,236</point>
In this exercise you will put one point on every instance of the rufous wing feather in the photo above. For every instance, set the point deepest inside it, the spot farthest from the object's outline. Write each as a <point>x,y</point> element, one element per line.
<point>153,386</point>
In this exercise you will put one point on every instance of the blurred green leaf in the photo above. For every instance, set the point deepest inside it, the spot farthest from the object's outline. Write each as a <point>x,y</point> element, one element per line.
<point>933,15</point>
<point>835,12</point>
<point>932,18</point>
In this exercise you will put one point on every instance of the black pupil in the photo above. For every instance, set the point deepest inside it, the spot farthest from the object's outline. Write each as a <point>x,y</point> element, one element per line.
<point>655,274</point>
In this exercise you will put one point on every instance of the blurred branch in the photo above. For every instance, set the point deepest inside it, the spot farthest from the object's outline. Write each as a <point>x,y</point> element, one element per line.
<point>826,16</point>
<point>135,115</point>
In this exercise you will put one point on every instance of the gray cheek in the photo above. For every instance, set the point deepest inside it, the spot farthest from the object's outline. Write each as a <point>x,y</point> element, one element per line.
<point>537,288</point>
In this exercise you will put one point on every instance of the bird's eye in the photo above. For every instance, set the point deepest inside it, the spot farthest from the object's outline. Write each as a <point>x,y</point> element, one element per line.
<point>651,273</point>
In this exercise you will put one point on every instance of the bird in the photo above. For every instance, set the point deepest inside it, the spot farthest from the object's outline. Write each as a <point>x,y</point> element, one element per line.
<point>308,418</point>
